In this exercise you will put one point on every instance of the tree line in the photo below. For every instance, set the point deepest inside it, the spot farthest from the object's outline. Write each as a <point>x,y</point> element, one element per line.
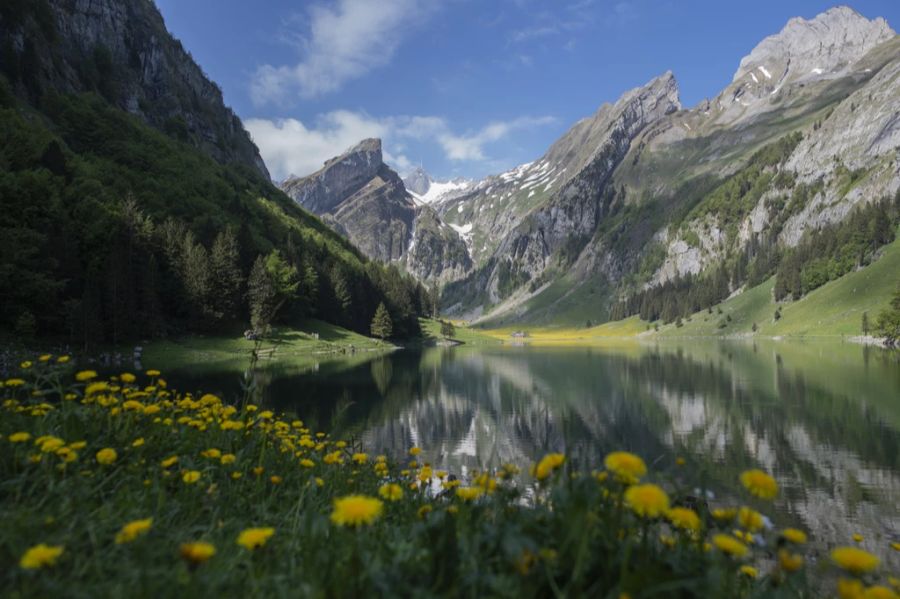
<point>824,254</point>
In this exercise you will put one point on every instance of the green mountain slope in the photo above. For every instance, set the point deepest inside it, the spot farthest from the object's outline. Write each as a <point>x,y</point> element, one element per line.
<point>133,204</point>
<point>836,308</point>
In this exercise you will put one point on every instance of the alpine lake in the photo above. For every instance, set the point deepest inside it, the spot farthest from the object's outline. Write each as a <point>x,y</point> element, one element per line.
<point>822,416</point>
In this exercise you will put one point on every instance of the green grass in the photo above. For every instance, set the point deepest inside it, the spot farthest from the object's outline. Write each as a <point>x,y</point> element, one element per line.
<point>835,309</point>
<point>431,333</point>
<point>291,346</point>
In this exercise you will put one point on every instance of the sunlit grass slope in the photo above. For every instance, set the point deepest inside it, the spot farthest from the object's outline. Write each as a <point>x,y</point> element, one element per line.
<point>835,309</point>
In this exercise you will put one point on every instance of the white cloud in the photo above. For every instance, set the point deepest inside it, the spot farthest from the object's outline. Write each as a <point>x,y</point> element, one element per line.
<point>471,146</point>
<point>290,147</point>
<point>343,41</point>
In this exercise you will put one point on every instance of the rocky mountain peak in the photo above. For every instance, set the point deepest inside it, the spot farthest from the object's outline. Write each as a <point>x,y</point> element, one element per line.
<point>660,93</point>
<point>825,45</point>
<point>340,177</point>
<point>418,181</point>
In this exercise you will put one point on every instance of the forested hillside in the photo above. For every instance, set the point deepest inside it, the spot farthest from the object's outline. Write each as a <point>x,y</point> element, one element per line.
<point>118,225</point>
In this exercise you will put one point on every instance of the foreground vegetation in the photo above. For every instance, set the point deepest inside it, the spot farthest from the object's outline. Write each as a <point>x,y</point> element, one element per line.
<point>125,486</point>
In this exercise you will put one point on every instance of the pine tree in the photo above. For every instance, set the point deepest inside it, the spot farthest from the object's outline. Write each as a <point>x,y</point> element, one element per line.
<point>197,279</point>
<point>272,284</point>
<point>260,295</point>
<point>435,298</point>
<point>227,278</point>
<point>447,329</point>
<point>865,323</point>
<point>382,327</point>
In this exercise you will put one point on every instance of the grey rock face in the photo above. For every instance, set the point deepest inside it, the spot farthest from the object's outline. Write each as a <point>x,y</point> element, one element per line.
<point>824,46</point>
<point>338,179</point>
<point>588,153</point>
<point>143,70</point>
<point>362,198</point>
<point>436,252</point>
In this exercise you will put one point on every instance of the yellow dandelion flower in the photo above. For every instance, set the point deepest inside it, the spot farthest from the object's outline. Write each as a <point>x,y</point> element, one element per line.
<point>153,373</point>
<point>685,519</point>
<point>307,463</point>
<point>51,444</point>
<point>95,388</point>
<point>647,501</point>
<point>85,375</point>
<point>227,458</point>
<point>254,538</point>
<point>469,493</point>
<point>548,464</point>
<point>26,365</point>
<point>275,479</point>
<point>236,475</point>
<point>190,477</point>
<point>44,358</point>
<point>724,514</point>
<point>627,467</point>
<point>730,545</point>
<point>258,470</point>
<point>360,458</point>
<point>793,535</point>
<point>759,484</point>
<point>356,510</point>
<point>850,588</point>
<point>139,442</point>
<point>63,359</point>
<point>789,562</point>
<point>854,560</point>
<point>133,530</point>
<point>414,451</point>
<point>879,592</point>
<point>76,445</point>
<point>107,456</point>
<point>391,491</point>
<point>20,437</point>
<point>197,552</point>
<point>319,482</point>
<point>40,556</point>
<point>423,511</point>
<point>127,378</point>
<point>212,453</point>
<point>67,454</point>
<point>749,519</point>
<point>169,461</point>
<point>858,538</point>
<point>895,546</point>
<point>749,571</point>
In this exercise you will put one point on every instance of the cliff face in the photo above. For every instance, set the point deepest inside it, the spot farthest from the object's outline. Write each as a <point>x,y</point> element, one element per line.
<point>362,198</point>
<point>121,50</point>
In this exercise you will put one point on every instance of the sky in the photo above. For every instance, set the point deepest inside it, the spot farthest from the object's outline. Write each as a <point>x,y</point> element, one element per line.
<point>465,88</point>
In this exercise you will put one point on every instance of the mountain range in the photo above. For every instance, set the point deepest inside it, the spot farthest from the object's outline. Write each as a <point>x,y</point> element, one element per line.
<point>646,194</point>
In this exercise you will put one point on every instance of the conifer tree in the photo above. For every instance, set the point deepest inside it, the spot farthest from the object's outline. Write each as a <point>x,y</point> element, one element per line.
<point>382,327</point>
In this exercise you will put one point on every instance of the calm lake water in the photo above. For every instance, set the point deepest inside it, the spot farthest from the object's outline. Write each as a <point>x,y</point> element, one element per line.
<point>824,418</point>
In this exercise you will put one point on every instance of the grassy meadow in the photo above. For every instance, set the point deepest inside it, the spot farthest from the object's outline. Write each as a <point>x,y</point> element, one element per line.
<point>124,486</point>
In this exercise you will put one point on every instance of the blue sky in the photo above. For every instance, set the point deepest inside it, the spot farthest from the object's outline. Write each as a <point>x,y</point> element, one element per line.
<point>466,87</point>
